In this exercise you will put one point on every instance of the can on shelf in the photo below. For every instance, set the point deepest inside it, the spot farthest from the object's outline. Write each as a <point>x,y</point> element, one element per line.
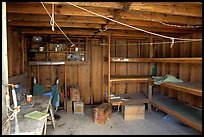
<point>29,98</point>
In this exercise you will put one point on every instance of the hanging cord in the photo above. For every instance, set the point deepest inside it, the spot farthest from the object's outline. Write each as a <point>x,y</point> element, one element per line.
<point>155,43</point>
<point>58,25</point>
<point>128,25</point>
<point>52,20</point>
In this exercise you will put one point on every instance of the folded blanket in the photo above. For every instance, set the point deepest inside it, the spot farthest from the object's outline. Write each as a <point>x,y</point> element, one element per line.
<point>167,78</point>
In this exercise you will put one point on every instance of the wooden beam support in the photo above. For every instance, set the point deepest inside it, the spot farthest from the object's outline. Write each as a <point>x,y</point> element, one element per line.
<point>98,26</point>
<point>21,19</point>
<point>174,8</point>
<point>37,8</point>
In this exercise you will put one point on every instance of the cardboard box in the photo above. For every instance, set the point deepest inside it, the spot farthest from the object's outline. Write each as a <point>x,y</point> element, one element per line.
<point>131,112</point>
<point>78,107</point>
<point>74,94</point>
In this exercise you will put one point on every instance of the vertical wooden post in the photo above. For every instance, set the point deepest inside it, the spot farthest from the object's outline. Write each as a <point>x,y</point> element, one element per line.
<point>23,53</point>
<point>65,81</point>
<point>103,50</point>
<point>149,96</point>
<point>38,67</point>
<point>5,95</point>
<point>151,55</point>
<point>109,84</point>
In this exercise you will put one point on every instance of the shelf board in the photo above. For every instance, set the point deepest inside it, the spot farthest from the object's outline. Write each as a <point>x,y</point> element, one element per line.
<point>178,60</point>
<point>46,63</point>
<point>162,60</point>
<point>186,86</point>
<point>183,112</point>
<point>115,59</point>
<point>56,62</point>
<point>130,78</point>
<point>134,98</point>
<point>56,51</point>
<point>38,52</point>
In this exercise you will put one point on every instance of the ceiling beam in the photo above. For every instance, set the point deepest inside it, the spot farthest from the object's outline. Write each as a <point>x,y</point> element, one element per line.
<point>70,10</point>
<point>16,19</point>
<point>80,32</point>
<point>175,8</point>
<point>98,26</point>
<point>178,8</point>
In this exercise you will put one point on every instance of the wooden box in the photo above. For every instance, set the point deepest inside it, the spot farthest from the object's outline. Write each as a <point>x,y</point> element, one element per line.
<point>68,106</point>
<point>57,56</point>
<point>78,107</point>
<point>102,113</point>
<point>74,94</point>
<point>131,112</point>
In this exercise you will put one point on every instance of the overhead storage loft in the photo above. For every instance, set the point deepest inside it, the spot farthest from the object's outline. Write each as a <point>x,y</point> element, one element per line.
<point>135,57</point>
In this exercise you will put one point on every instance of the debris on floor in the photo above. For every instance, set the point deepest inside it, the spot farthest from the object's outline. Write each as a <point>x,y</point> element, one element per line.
<point>173,120</point>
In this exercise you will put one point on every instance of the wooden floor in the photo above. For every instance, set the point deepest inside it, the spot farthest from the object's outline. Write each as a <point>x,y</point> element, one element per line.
<point>153,124</point>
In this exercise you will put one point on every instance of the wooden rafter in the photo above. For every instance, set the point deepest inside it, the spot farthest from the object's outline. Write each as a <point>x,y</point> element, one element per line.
<point>37,8</point>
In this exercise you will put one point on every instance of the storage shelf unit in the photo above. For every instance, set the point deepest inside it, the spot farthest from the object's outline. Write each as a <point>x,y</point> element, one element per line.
<point>137,79</point>
<point>56,51</point>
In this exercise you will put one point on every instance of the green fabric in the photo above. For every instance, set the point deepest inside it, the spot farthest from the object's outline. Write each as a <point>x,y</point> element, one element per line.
<point>38,89</point>
<point>167,78</point>
<point>55,92</point>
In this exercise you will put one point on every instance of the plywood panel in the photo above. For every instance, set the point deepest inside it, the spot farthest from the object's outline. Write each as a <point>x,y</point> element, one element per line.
<point>84,82</point>
<point>17,53</point>
<point>132,67</point>
<point>72,75</point>
<point>121,51</point>
<point>10,52</point>
<point>96,71</point>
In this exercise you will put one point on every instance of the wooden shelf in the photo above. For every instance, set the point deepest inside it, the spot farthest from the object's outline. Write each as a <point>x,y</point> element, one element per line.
<point>178,60</point>
<point>116,59</point>
<point>163,60</point>
<point>57,51</point>
<point>56,62</point>
<point>134,98</point>
<point>187,114</point>
<point>45,63</point>
<point>130,78</point>
<point>186,86</point>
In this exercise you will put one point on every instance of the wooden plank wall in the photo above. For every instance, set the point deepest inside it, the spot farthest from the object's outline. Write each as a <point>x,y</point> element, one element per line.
<point>89,78</point>
<point>15,54</point>
<point>186,72</point>
<point>128,48</point>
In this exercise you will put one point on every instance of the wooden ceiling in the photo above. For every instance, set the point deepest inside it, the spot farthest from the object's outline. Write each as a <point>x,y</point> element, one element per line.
<point>159,17</point>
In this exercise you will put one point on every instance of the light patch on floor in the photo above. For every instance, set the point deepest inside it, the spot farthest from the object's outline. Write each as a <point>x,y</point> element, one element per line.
<point>153,124</point>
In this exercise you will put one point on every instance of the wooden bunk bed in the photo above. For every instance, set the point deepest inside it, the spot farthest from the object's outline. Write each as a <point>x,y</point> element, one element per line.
<point>189,115</point>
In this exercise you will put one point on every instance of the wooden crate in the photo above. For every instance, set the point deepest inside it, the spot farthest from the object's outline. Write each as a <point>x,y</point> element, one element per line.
<point>74,94</point>
<point>68,106</point>
<point>131,112</point>
<point>102,113</point>
<point>78,107</point>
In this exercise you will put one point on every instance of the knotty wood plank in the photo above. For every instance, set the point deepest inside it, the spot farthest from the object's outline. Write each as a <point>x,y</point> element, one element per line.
<point>132,67</point>
<point>84,82</point>
<point>96,71</point>
<point>121,51</point>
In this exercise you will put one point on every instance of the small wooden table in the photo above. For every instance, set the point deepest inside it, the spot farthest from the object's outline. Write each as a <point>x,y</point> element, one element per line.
<point>30,126</point>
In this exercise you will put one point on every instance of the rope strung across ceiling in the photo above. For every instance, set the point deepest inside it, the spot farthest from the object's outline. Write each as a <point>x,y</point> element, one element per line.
<point>57,25</point>
<point>142,30</point>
